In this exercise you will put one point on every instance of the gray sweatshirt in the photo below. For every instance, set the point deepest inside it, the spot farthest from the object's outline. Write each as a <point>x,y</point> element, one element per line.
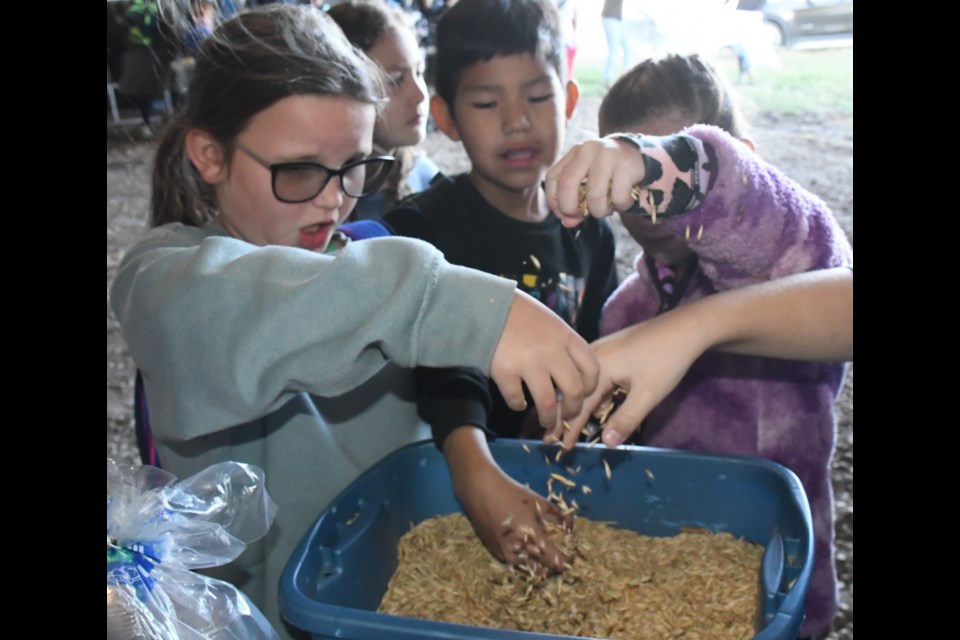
<point>293,361</point>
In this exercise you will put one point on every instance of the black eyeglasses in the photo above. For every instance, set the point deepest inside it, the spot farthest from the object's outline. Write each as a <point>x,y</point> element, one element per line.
<point>295,182</point>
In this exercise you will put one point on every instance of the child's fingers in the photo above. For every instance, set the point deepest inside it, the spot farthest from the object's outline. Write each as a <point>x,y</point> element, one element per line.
<point>574,375</point>
<point>552,556</point>
<point>621,191</point>
<point>598,195</point>
<point>572,434</point>
<point>568,174</point>
<point>599,182</point>
<point>511,389</point>
<point>627,418</point>
<point>568,190</point>
<point>568,218</point>
<point>568,431</point>
<point>571,221</point>
<point>551,184</point>
<point>630,170</point>
<point>587,363</point>
<point>569,381</point>
<point>575,425</point>
<point>529,544</point>
<point>544,397</point>
<point>553,435</point>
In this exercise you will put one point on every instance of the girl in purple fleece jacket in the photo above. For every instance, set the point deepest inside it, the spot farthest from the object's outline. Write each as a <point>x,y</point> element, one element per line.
<point>711,216</point>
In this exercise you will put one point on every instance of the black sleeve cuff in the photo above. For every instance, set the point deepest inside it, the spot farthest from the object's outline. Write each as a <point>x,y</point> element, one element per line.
<point>451,398</point>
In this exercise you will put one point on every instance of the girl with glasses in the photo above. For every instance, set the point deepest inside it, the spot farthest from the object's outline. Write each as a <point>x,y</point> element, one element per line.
<point>254,344</point>
<point>385,34</point>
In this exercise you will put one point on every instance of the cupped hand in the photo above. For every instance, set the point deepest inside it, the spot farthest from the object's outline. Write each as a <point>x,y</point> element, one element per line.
<point>510,519</point>
<point>610,169</point>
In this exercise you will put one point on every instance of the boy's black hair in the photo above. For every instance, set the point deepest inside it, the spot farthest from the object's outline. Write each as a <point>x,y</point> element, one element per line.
<point>475,31</point>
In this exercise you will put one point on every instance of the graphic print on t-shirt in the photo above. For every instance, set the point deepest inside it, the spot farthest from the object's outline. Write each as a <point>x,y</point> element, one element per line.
<point>561,292</point>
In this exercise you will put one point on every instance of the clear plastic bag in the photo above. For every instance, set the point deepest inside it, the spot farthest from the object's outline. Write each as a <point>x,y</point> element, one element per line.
<point>159,530</point>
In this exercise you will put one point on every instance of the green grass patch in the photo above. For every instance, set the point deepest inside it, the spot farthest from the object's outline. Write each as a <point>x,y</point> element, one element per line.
<point>590,78</point>
<point>811,80</point>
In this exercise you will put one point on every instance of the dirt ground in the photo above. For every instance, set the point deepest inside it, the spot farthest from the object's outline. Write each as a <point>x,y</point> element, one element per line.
<point>816,150</point>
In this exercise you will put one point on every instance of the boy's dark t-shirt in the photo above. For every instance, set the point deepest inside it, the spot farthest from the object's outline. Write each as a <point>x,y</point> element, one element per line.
<point>571,271</point>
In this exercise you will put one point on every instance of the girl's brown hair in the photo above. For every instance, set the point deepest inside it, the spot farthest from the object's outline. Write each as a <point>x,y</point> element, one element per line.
<point>365,21</point>
<point>250,62</point>
<point>675,85</point>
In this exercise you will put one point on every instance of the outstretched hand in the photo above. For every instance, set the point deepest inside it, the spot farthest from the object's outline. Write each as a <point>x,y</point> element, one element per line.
<point>539,349</point>
<point>647,361</point>
<point>805,316</point>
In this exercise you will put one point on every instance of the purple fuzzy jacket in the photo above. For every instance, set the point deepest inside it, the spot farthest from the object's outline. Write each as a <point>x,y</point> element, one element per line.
<point>757,225</point>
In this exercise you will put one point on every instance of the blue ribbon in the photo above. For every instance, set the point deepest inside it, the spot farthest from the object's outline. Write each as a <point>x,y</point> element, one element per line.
<point>132,566</point>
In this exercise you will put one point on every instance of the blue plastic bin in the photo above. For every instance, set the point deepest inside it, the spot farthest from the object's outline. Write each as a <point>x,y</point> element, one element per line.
<point>334,581</point>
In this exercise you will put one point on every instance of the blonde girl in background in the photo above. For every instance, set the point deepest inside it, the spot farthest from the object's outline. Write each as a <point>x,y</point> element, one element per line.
<point>386,35</point>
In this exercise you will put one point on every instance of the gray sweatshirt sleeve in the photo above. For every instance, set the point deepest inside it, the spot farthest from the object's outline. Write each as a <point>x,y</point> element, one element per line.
<point>225,331</point>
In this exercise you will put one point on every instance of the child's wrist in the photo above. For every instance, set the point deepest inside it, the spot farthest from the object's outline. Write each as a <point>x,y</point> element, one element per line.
<point>710,322</point>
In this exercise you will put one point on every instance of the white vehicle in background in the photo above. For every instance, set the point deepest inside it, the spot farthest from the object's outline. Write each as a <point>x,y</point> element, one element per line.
<point>790,22</point>
<point>704,27</point>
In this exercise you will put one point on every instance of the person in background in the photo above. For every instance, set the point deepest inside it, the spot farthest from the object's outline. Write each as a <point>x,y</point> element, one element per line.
<point>146,59</point>
<point>502,91</point>
<point>568,31</point>
<point>740,49</point>
<point>618,45</point>
<point>711,216</point>
<point>256,344</point>
<point>116,38</point>
<point>386,35</point>
<point>204,20</point>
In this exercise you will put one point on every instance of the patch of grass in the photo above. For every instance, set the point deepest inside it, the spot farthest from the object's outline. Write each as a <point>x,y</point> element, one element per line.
<point>810,80</point>
<point>590,78</point>
<point>816,80</point>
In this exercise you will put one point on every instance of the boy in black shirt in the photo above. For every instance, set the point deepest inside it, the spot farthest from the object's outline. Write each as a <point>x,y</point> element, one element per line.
<point>501,91</point>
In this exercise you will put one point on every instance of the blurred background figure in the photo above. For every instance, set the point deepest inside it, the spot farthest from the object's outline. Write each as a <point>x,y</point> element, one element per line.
<point>631,33</point>
<point>568,30</point>
<point>204,19</point>
<point>116,38</point>
<point>146,58</point>
<point>618,47</point>
<point>654,28</point>
<point>748,38</point>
